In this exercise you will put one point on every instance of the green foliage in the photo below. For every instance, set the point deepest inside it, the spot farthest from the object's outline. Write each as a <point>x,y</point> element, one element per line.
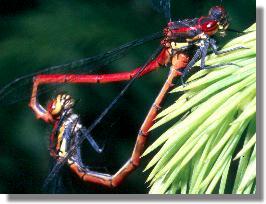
<point>214,118</point>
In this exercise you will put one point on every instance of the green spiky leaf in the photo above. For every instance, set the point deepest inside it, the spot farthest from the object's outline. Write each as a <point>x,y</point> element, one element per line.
<point>217,110</point>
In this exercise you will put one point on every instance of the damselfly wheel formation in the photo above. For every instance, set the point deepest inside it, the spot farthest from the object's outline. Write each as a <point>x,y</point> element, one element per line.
<point>182,43</point>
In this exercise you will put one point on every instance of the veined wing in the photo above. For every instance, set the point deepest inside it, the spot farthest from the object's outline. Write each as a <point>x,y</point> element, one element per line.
<point>163,6</point>
<point>9,92</point>
<point>73,148</point>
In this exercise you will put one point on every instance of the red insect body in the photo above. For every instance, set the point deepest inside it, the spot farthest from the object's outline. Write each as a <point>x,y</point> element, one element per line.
<point>162,59</point>
<point>188,30</point>
<point>180,62</point>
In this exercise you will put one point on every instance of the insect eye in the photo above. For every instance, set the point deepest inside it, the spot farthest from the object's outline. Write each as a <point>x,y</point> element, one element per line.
<point>209,26</point>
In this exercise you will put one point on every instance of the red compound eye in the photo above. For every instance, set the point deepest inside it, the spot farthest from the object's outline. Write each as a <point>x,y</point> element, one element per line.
<point>209,26</point>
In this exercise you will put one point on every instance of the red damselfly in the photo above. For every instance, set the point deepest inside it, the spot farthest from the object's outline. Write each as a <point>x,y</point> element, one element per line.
<point>183,43</point>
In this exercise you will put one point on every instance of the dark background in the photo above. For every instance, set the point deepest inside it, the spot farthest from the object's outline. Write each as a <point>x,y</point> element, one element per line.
<point>35,34</point>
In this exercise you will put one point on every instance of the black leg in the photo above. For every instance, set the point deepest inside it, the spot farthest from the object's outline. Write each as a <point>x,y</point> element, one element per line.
<point>202,53</point>
<point>93,143</point>
<point>215,48</point>
<point>190,64</point>
<point>221,65</point>
<point>78,157</point>
<point>204,50</point>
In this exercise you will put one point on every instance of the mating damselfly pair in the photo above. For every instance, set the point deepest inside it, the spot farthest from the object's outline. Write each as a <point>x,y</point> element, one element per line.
<point>192,31</point>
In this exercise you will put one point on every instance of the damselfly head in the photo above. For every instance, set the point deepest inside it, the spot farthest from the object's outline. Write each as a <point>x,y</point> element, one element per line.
<point>219,14</point>
<point>60,104</point>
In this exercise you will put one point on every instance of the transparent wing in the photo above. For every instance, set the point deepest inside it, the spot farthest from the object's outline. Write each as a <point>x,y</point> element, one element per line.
<point>97,121</point>
<point>163,6</point>
<point>20,88</point>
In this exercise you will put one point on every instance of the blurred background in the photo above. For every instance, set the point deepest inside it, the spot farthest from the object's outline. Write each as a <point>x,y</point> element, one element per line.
<point>36,34</point>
